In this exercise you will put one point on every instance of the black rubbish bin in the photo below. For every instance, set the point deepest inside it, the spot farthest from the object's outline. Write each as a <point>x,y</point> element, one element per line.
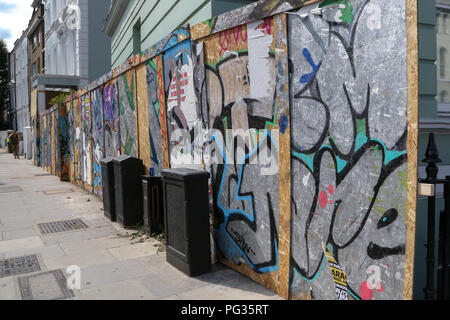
<point>109,202</point>
<point>128,190</point>
<point>153,205</point>
<point>186,218</point>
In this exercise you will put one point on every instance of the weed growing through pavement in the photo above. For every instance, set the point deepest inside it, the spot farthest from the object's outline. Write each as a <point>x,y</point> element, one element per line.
<point>140,236</point>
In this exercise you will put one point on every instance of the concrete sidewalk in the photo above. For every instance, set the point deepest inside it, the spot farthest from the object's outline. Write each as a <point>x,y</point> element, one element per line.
<point>114,264</point>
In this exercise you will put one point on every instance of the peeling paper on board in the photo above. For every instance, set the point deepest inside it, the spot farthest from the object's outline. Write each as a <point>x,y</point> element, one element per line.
<point>339,275</point>
<point>259,41</point>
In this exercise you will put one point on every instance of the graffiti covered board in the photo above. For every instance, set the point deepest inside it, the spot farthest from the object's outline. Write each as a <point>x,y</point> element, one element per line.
<point>349,148</point>
<point>111,120</point>
<point>156,118</point>
<point>86,160</point>
<point>71,140</point>
<point>97,140</point>
<point>64,171</point>
<point>78,142</point>
<point>127,113</point>
<point>53,141</point>
<point>152,116</point>
<point>241,89</point>
<point>183,115</point>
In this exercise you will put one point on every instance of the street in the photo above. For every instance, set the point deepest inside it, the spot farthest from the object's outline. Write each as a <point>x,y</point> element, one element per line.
<point>104,260</point>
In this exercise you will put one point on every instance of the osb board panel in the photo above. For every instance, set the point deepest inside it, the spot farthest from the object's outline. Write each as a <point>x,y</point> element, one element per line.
<point>86,142</point>
<point>43,126</point>
<point>282,124</point>
<point>70,141</point>
<point>98,149</point>
<point>77,140</point>
<point>36,135</point>
<point>33,103</point>
<point>64,143</point>
<point>244,15</point>
<point>349,151</point>
<point>412,142</point>
<point>180,99</point>
<point>52,143</point>
<point>48,143</point>
<point>241,86</point>
<point>111,120</point>
<point>126,85</point>
<point>57,142</point>
<point>142,107</point>
<point>162,111</point>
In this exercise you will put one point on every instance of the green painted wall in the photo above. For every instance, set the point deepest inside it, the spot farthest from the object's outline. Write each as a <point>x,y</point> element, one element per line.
<point>160,17</point>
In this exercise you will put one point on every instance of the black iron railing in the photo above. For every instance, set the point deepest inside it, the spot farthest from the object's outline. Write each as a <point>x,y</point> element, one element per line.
<point>428,188</point>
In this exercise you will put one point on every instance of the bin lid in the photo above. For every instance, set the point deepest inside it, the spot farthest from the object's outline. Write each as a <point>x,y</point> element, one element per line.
<point>106,160</point>
<point>147,178</point>
<point>185,173</point>
<point>125,158</point>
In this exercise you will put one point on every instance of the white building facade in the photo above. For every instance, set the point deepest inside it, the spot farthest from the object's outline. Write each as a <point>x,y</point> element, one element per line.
<point>22,103</point>
<point>66,38</point>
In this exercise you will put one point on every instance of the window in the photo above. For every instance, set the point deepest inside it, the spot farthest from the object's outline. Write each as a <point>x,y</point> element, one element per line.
<point>33,69</point>
<point>443,96</point>
<point>137,38</point>
<point>442,62</point>
<point>443,47</point>
<point>444,23</point>
<point>38,65</point>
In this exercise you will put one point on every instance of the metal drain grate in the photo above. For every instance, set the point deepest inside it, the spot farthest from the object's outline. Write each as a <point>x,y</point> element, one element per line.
<point>45,286</point>
<point>42,175</point>
<point>10,189</point>
<point>62,226</point>
<point>19,265</point>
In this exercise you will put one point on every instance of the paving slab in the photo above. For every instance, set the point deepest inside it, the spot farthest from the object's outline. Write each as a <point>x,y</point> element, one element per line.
<point>116,272</point>
<point>84,260</point>
<point>46,252</point>
<point>133,251</point>
<point>122,290</point>
<point>113,265</point>
<point>18,244</point>
<point>18,234</point>
<point>8,289</point>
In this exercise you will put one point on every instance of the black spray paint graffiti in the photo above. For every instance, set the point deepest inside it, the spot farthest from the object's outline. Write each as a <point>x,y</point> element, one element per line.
<point>245,201</point>
<point>348,147</point>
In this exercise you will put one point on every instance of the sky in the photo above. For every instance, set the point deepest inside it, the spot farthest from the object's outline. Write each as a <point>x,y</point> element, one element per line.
<point>14,18</point>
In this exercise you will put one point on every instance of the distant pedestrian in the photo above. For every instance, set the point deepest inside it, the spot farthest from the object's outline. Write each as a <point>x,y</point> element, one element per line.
<point>8,141</point>
<point>14,140</point>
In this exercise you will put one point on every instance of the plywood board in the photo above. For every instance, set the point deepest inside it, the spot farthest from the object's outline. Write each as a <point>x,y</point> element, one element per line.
<point>52,143</point>
<point>244,15</point>
<point>143,124</point>
<point>98,148</point>
<point>86,145</point>
<point>126,85</point>
<point>162,111</point>
<point>241,88</point>
<point>412,142</point>
<point>111,120</point>
<point>352,208</point>
<point>71,140</point>
<point>78,147</point>
<point>65,157</point>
